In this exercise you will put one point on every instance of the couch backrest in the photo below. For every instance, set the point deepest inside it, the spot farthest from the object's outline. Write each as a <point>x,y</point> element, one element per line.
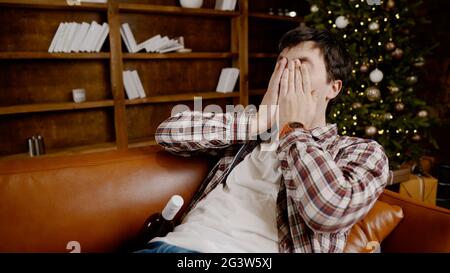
<point>99,200</point>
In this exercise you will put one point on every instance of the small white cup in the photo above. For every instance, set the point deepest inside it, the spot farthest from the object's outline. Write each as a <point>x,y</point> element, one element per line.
<point>191,3</point>
<point>79,95</point>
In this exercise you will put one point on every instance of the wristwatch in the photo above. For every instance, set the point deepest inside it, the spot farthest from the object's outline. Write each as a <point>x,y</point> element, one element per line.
<point>291,126</point>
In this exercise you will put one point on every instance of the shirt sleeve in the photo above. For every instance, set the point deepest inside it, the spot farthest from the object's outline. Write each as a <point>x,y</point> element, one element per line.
<point>192,132</point>
<point>332,194</point>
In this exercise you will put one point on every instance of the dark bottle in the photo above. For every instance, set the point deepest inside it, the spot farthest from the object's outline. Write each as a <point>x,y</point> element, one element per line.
<point>159,224</point>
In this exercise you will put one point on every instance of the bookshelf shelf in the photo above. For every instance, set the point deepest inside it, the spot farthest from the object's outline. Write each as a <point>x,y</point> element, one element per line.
<point>142,142</point>
<point>182,97</point>
<point>265,16</point>
<point>99,147</point>
<point>144,8</point>
<point>46,55</point>
<point>47,107</point>
<point>193,55</point>
<point>261,55</point>
<point>53,4</point>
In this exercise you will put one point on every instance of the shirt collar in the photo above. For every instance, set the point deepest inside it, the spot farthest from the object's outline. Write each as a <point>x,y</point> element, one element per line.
<point>324,132</point>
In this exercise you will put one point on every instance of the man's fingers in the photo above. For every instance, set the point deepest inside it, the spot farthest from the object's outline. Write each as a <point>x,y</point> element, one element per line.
<point>306,79</point>
<point>291,80</point>
<point>276,75</point>
<point>284,82</point>
<point>298,78</point>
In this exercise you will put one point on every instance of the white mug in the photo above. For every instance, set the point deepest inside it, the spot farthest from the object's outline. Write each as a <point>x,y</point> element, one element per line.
<point>79,95</point>
<point>191,3</point>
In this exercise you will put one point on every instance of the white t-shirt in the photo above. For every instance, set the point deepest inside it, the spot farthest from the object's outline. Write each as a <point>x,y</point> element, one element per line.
<point>240,217</point>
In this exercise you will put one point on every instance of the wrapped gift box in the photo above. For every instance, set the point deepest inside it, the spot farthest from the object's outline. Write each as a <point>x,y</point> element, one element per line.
<point>420,188</point>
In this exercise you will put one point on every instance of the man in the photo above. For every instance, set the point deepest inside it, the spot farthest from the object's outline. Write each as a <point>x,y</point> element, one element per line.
<point>300,193</point>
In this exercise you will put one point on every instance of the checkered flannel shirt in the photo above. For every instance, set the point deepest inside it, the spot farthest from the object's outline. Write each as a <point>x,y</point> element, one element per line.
<point>329,182</point>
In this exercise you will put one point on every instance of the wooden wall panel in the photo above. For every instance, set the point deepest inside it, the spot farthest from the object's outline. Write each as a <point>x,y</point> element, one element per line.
<point>264,35</point>
<point>163,77</point>
<point>260,71</point>
<point>59,129</point>
<point>209,4</point>
<point>45,81</point>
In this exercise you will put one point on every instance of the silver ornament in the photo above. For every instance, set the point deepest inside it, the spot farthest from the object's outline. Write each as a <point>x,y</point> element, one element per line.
<point>314,8</point>
<point>376,75</point>
<point>371,130</point>
<point>341,22</point>
<point>422,114</point>
<point>374,26</point>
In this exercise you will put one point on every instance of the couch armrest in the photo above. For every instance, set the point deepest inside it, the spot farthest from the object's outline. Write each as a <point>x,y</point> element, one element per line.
<point>424,228</point>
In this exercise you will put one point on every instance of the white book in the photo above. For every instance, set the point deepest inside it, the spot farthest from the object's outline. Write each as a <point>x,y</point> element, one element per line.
<point>78,40</point>
<point>129,86</point>
<point>125,41</point>
<point>159,44</point>
<point>138,83</point>
<point>56,37</point>
<point>149,42</point>
<point>60,41</point>
<point>102,38</point>
<point>69,38</point>
<point>231,81</point>
<point>130,37</point>
<point>85,47</point>
<point>232,5</point>
<point>73,36</point>
<point>219,4</point>
<point>172,48</point>
<point>94,1</point>
<point>98,36</point>
<point>222,80</point>
<point>66,37</point>
<point>95,36</point>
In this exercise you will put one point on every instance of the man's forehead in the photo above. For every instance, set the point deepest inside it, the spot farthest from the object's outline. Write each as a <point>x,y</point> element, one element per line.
<point>305,49</point>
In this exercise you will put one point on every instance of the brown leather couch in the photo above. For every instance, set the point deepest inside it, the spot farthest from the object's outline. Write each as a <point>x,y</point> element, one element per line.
<point>101,200</point>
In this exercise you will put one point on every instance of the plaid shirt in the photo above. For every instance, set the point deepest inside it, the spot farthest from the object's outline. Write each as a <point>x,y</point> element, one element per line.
<point>329,182</point>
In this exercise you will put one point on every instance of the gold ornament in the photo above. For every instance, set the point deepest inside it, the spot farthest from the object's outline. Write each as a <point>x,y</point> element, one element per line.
<point>422,114</point>
<point>390,4</point>
<point>373,93</point>
<point>393,89</point>
<point>419,62</point>
<point>397,53</point>
<point>390,46</point>
<point>399,106</point>
<point>374,26</point>
<point>388,116</point>
<point>371,130</point>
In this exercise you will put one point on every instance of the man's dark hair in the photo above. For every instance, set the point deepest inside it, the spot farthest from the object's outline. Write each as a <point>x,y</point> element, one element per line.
<point>338,62</point>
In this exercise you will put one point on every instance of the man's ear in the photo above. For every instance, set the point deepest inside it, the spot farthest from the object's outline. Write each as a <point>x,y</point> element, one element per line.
<point>335,89</point>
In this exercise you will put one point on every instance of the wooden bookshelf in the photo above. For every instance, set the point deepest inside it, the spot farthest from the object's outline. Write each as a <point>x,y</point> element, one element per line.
<point>35,86</point>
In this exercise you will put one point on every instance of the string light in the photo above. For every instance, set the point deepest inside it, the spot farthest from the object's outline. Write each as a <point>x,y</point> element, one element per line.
<point>357,6</point>
<point>355,117</point>
<point>329,12</point>
<point>356,30</point>
<point>345,36</point>
<point>398,154</point>
<point>397,16</point>
<point>380,132</point>
<point>362,23</point>
<point>385,19</point>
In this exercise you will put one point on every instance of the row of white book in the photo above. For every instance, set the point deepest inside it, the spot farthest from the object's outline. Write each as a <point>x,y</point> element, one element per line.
<point>134,88</point>
<point>79,37</point>
<point>133,85</point>
<point>227,80</point>
<point>157,43</point>
<point>225,4</point>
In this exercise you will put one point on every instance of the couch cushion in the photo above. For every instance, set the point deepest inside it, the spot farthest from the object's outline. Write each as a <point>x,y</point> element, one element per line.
<point>375,227</point>
<point>99,200</point>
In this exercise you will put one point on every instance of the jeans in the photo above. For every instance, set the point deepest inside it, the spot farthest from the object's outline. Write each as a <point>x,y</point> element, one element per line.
<point>162,247</point>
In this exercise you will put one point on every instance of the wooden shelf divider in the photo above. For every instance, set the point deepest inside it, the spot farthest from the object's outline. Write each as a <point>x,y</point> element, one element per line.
<point>47,55</point>
<point>193,55</point>
<point>53,4</point>
<point>182,97</point>
<point>144,8</point>
<point>266,16</point>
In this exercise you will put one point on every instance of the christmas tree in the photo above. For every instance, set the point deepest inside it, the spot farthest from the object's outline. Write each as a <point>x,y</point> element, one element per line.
<point>381,99</point>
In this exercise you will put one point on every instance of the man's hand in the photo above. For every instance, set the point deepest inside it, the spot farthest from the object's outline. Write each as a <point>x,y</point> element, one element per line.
<point>297,101</point>
<point>267,111</point>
